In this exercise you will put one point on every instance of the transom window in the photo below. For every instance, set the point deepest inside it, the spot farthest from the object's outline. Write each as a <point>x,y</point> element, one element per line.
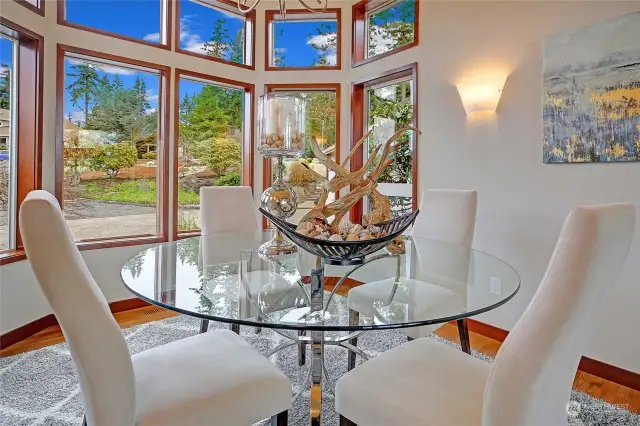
<point>303,40</point>
<point>112,152</point>
<point>138,20</point>
<point>216,30</point>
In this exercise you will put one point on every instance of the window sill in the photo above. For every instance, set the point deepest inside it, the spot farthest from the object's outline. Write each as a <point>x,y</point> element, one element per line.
<point>11,256</point>
<point>214,59</point>
<point>81,27</point>
<point>355,64</point>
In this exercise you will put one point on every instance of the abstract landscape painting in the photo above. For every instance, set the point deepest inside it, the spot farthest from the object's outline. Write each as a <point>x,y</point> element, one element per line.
<point>592,93</point>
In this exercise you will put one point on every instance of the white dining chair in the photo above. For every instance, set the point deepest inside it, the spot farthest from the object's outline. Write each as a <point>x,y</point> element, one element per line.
<point>214,378</point>
<point>445,215</point>
<point>426,382</point>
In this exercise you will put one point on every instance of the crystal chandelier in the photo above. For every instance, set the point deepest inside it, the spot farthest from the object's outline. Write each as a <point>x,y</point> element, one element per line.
<point>322,6</point>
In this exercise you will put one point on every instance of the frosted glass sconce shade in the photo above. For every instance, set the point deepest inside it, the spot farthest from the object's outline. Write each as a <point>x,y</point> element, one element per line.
<point>481,93</point>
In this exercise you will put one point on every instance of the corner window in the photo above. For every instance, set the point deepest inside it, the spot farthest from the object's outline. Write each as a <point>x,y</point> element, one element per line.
<point>303,40</point>
<point>142,21</point>
<point>112,148</point>
<point>215,30</point>
<point>8,149</point>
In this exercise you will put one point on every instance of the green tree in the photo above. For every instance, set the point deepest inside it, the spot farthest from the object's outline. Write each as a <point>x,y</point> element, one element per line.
<point>5,87</point>
<point>86,87</point>
<point>140,87</point>
<point>218,44</point>
<point>394,25</point>
<point>237,47</point>
<point>221,155</point>
<point>110,158</point>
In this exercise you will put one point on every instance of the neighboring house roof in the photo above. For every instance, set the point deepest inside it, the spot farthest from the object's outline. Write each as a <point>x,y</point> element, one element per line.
<point>70,126</point>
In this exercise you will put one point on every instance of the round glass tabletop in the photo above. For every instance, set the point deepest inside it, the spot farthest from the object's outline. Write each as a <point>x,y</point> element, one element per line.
<point>222,277</point>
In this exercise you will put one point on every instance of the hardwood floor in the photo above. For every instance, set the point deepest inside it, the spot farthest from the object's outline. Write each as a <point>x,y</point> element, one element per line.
<point>613,393</point>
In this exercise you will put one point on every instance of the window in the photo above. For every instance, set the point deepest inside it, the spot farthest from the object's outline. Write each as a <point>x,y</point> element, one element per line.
<point>8,53</point>
<point>323,124</point>
<point>389,108</point>
<point>386,104</point>
<point>214,140</point>
<point>142,21</point>
<point>381,28</point>
<point>112,146</point>
<point>21,55</point>
<point>36,6</point>
<point>216,30</point>
<point>303,40</point>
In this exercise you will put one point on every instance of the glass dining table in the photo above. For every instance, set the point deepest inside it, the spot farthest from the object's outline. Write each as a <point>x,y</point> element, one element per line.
<point>222,277</point>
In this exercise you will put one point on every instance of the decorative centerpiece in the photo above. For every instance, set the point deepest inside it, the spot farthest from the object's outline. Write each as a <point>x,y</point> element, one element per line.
<point>281,120</point>
<point>322,230</point>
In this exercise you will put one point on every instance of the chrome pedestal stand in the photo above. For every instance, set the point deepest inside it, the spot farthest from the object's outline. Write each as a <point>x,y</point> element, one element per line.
<point>281,201</point>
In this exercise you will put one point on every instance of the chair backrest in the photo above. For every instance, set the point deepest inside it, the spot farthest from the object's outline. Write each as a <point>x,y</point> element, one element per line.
<point>531,379</point>
<point>227,209</point>
<point>96,343</point>
<point>447,215</point>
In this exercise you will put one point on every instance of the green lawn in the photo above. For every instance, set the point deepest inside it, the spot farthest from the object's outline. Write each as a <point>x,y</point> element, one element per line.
<point>135,192</point>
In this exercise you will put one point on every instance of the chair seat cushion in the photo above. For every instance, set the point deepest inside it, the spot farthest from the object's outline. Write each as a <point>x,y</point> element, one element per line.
<point>213,378</point>
<point>422,382</point>
<point>423,300</point>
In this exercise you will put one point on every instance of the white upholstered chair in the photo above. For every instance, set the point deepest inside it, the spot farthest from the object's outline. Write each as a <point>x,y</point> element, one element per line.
<point>209,379</point>
<point>445,215</point>
<point>426,382</point>
<point>227,209</point>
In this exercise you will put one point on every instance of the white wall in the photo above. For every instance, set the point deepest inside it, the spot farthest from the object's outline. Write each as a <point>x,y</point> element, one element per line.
<point>522,202</point>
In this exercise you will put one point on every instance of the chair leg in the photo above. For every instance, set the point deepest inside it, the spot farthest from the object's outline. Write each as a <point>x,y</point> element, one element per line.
<point>84,420</point>
<point>280,419</point>
<point>259,329</point>
<point>235,328</point>
<point>204,326</point>
<point>346,422</point>
<point>302,349</point>
<point>409,339</point>
<point>463,331</point>
<point>354,318</point>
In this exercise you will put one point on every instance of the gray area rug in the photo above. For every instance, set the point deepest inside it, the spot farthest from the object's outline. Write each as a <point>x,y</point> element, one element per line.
<point>41,387</point>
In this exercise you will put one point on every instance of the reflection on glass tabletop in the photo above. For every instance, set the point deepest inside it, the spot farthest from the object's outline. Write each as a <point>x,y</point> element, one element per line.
<point>222,277</point>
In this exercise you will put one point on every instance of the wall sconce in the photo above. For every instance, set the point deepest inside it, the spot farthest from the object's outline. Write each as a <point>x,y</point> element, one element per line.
<point>481,93</point>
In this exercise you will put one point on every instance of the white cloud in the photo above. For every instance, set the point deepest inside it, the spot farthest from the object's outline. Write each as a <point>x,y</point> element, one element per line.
<point>188,40</point>
<point>332,59</point>
<point>150,111</point>
<point>152,37</point>
<point>111,69</point>
<point>152,97</point>
<point>77,116</point>
<point>323,40</point>
<point>3,71</point>
<point>381,40</point>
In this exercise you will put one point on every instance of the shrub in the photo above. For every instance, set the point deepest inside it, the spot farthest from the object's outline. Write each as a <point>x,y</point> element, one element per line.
<point>148,156</point>
<point>110,158</point>
<point>221,155</point>
<point>232,179</point>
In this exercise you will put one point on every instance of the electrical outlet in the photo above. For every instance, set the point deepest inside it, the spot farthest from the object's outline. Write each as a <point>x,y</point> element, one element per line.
<point>495,286</point>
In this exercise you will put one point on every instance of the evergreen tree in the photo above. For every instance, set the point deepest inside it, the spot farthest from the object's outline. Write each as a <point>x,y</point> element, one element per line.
<point>326,43</point>
<point>237,47</point>
<point>5,87</point>
<point>140,88</point>
<point>218,44</point>
<point>86,87</point>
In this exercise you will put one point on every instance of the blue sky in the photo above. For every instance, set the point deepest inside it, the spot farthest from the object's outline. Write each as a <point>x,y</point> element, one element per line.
<point>295,40</point>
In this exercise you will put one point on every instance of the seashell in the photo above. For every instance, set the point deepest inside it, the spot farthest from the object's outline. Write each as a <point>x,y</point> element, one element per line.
<point>366,236</point>
<point>303,232</point>
<point>278,142</point>
<point>322,237</point>
<point>320,228</point>
<point>353,237</point>
<point>335,237</point>
<point>344,226</point>
<point>306,226</point>
<point>356,229</point>
<point>314,234</point>
<point>373,229</point>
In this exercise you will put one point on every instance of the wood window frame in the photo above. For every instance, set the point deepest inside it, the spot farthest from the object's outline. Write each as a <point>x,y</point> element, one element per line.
<point>249,27</point>
<point>35,8</point>
<point>166,22</point>
<point>28,124</point>
<point>270,16</point>
<point>359,124</point>
<point>248,135</point>
<point>359,34</point>
<point>301,87</point>
<point>164,118</point>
